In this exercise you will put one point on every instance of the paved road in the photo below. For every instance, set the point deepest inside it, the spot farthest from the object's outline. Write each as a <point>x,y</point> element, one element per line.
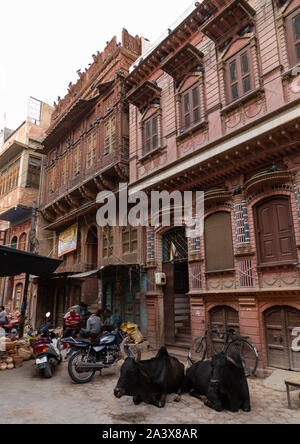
<point>31,400</point>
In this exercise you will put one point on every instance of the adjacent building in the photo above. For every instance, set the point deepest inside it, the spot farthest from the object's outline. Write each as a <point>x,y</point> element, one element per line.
<point>215,106</point>
<point>87,151</point>
<point>20,178</point>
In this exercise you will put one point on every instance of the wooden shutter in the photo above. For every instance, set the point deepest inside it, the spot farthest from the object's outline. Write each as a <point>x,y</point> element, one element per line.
<point>190,107</point>
<point>151,134</point>
<point>110,135</point>
<point>239,75</point>
<point>218,242</point>
<point>293,37</point>
<point>91,151</point>
<point>275,234</point>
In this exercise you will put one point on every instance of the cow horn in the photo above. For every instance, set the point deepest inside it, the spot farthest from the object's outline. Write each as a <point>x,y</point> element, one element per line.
<point>232,361</point>
<point>122,349</point>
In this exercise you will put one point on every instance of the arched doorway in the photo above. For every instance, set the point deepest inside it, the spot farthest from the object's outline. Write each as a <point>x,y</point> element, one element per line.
<point>279,325</point>
<point>223,317</point>
<point>176,300</point>
<point>92,248</point>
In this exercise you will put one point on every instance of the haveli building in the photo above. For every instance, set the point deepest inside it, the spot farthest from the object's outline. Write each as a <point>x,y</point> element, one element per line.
<point>87,149</point>
<point>215,107</point>
<point>20,176</point>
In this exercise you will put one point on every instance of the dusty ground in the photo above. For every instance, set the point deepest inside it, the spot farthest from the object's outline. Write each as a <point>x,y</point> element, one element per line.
<point>31,400</point>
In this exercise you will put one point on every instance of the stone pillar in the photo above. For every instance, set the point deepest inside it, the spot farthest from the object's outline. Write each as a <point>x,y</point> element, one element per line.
<point>249,323</point>
<point>198,321</point>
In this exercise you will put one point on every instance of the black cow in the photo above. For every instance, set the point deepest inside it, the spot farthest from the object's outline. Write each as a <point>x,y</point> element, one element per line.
<point>221,383</point>
<point>150,381</point>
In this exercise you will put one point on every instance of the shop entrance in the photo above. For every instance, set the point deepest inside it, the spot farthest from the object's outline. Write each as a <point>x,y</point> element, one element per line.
<point>121,292</point>
<point>176,300</point>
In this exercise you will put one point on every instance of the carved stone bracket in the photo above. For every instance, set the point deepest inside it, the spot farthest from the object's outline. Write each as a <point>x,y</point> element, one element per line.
<point>123,172</point>
<point>49,215</point>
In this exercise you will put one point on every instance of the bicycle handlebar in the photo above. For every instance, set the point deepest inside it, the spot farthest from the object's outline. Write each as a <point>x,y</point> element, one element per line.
<point>227,330</point>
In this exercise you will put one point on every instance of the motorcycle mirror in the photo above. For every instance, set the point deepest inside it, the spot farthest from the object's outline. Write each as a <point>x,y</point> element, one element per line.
<point>48,315</point>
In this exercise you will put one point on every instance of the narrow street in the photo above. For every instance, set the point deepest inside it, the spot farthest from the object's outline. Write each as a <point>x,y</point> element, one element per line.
<point>32,400</point>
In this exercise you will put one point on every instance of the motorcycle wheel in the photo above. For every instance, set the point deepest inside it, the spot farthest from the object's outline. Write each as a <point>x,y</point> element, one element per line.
<point>79,378</point>
<point>47,372</point>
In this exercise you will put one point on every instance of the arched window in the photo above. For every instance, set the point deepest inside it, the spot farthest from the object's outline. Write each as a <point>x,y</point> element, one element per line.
<point>22,242</point>
<point>275,236</point>
<point>218,242</point>
<point>14,243</point>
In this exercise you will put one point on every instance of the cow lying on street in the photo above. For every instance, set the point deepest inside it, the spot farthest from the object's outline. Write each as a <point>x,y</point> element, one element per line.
<point>221,383</point>
<point>150,381</point>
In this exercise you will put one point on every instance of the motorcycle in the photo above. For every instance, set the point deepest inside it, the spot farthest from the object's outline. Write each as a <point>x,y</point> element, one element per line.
<point>47,350</point>
<point>12,327</point>
<point>88,357</point>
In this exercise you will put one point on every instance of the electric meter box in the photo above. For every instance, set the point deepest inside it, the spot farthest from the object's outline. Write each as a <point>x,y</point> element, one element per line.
<point>160,279</point>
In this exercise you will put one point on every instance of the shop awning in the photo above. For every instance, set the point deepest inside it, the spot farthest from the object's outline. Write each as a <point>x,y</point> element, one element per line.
<point>15,262</point>
<point>84,275</point>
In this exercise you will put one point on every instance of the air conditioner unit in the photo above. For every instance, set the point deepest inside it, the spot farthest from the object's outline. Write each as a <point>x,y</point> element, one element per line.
<point>160,279</point>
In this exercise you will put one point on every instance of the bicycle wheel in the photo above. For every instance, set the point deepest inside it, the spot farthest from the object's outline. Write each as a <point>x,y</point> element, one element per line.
<point>248,353</point>
<point>198,350</point>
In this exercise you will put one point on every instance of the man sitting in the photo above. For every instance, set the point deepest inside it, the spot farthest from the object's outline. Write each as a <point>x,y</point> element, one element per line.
<point>93,327</point>
<point>73,324</point>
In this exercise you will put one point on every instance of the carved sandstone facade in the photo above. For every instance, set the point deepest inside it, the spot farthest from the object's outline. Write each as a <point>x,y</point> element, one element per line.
<point>87,147</point>
<point>215,107</point>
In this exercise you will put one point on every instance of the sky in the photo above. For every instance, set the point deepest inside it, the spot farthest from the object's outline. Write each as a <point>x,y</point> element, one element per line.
<point>43,43</point>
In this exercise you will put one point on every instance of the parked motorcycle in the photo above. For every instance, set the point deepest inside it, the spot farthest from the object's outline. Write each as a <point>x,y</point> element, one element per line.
<point>88,357</point>
<point>47,350</point>
<point>12,327</point>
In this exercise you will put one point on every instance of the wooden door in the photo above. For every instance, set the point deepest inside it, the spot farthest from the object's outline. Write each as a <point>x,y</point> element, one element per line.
<point>275,233</point>
<point>279,325</point>
<point>221,318</point>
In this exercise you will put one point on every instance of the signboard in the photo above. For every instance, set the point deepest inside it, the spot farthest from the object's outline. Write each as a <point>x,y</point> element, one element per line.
<point>68,241</point>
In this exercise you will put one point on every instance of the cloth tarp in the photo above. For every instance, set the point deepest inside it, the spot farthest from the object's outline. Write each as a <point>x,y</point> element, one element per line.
<point>15,262</point>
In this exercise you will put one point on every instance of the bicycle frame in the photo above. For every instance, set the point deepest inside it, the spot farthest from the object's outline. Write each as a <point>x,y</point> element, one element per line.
<point>228,335</point>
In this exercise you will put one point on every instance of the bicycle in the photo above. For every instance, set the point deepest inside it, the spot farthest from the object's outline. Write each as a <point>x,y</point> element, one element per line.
<point>231,343</point>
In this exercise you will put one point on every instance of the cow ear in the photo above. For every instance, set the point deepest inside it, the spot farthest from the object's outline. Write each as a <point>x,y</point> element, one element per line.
<point>145,376</point>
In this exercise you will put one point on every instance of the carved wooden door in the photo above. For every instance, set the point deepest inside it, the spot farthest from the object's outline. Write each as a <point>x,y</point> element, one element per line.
<point>279,325</point>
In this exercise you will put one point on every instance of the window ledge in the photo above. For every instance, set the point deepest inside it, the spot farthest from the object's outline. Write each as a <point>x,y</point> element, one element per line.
<point>151,154</point>
<point>192,130</point>
<point>225,271</point>
<point>290,72</point>
<point>277,265</point>
<point>231,106</point>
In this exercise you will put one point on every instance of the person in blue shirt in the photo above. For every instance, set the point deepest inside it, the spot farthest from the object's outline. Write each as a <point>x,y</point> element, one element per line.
<point>112,321</point>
